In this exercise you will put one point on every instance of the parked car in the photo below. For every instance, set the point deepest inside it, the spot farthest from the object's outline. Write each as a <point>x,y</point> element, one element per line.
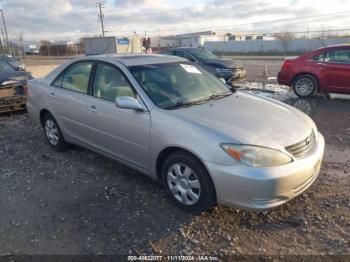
<point>323,70</point>
<point>14,61</point>
<point>173,121</point>
<point>222,68</point>
<point>12,87</point>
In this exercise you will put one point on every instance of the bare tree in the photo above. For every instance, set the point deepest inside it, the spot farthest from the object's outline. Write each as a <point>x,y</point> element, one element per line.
<point>45,47</point>
<point>285,38</point>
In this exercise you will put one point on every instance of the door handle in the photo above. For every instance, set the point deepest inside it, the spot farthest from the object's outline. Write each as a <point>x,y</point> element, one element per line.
<point>93,109</point>
<point>53,95</point>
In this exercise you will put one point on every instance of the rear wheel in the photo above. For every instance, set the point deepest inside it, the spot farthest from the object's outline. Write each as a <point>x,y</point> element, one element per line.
<point>305,85</point>
<point>188,183</point>
<point>53,133</point>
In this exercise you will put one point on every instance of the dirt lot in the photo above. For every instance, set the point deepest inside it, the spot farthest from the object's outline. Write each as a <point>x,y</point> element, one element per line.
<point>78,202</point>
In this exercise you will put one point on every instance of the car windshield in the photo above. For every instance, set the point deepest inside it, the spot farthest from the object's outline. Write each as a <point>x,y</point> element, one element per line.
<point>203,55</point>
<point>174,85</point>
<point>5,67</point>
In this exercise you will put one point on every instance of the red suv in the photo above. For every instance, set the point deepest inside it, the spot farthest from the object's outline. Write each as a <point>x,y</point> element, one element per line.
<point>322,70</point>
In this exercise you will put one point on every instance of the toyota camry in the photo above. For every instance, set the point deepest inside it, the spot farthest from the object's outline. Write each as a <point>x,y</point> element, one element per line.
<point>173,121</point>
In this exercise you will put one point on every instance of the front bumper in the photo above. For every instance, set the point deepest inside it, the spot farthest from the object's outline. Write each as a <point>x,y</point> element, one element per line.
<point>263,188</point>
<point>236,73</point>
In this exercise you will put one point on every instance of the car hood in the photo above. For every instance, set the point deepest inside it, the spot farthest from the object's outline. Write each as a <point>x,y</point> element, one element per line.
<point>12,77</point>
<point>249,119</point>
<point>222,63</point>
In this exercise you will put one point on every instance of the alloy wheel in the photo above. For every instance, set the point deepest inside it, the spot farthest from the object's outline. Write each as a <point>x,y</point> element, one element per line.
<point>51,131</point>
<point>304,86</point>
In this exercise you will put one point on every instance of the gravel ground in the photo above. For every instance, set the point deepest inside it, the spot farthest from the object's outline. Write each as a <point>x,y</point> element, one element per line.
<point>78,202</point>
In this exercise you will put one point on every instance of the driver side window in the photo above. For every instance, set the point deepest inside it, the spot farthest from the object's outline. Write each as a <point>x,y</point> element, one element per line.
<point>110,83</point>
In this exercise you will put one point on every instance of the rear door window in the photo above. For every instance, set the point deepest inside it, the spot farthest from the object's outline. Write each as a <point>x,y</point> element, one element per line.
<point>339,56</point>
<point>77,77</point>
<point>184,55</point>
<point>319,58</point>
<point>180,53</point>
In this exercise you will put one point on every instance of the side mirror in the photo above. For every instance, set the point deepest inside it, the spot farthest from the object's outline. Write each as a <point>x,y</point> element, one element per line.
<point>191,59</point>
<point>18,68</point>
<point>222,80</point>
<point>128,102</point>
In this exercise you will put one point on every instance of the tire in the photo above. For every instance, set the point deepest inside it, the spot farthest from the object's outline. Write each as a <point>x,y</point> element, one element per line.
<point>53,133</point>
<point>187,183</point>
<point>305,86</point>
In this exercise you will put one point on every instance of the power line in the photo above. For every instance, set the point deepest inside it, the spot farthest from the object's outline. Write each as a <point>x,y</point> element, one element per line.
<point>244,24</point>
<point>260,22</point>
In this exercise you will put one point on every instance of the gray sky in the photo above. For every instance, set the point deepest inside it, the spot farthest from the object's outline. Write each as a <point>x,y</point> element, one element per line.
<point>71,19</point>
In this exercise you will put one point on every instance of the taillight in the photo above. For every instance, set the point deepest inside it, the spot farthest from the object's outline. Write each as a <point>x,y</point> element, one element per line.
<point>25,89</point>
<point>286,65</point>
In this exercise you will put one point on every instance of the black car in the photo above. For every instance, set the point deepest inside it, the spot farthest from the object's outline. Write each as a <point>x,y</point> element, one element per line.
<point>9,73</point>
<point>221,68</point>
<point>14,61</point>
<point>12,87</point>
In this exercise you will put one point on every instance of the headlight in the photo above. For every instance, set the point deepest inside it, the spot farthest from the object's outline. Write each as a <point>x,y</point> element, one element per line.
<point>256,156</point>
<point>222,70</point>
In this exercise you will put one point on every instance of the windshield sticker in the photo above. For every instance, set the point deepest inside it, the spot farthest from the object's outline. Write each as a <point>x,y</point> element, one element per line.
<point>191,69</point>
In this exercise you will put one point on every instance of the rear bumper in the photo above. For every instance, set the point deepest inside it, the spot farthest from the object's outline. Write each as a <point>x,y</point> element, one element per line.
<point>283,79</point>
<point>259,189</point>
<point>12,103</point>
<point>33,112</point>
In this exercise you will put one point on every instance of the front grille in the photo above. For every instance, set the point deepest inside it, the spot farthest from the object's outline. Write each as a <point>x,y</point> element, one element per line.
<point>301,148</point>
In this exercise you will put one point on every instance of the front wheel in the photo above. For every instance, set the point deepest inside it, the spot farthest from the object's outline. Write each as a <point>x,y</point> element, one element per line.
<point>305,85</point>
<point>188,183</point>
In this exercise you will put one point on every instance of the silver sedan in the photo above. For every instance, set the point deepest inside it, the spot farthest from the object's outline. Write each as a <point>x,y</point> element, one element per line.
<point>171,120</point>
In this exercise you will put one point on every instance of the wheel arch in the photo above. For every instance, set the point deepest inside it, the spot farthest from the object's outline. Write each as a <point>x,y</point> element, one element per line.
<point>166,152</point>
<point>43,113</point>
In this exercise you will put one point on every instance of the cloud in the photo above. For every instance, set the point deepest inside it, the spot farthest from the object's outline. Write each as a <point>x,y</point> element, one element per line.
<point>71,19</point>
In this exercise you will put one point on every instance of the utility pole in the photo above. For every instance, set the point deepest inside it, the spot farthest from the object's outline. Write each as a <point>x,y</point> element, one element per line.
<point>5,46</point>
<point>101,17</point>
<point>7,38</point>
<point>2,49</point>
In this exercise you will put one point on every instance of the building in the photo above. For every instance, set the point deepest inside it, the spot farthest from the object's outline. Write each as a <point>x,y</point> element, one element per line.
<point>28,47</point>
<point>129,45</point>
<point>198,39</point>
<point>184,40</point>
<point>241,36</point>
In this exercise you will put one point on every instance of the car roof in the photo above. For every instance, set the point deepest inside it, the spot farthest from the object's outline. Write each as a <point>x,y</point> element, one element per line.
<point>138,59</point>
<point>334,46</point>
<point>185,48</point>
<point>126,60</point>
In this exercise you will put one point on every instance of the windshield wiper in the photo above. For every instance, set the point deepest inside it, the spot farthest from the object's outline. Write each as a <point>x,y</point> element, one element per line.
<point>216,96</point>
<point>183,104</point>
<point>197,102</point>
